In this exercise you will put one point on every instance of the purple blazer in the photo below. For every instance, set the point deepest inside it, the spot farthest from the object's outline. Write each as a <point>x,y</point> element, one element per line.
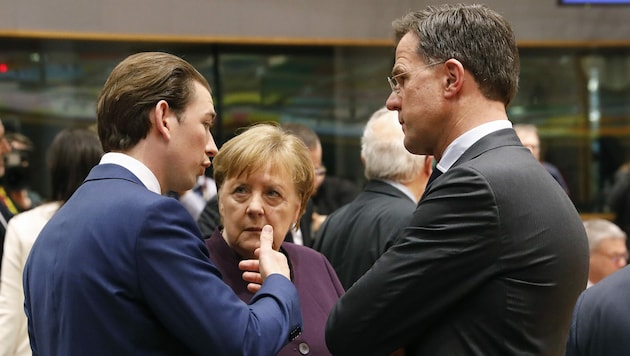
<point>316,282</point>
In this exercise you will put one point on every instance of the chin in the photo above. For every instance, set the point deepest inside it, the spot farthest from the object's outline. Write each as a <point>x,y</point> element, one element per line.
<point>411,148</point>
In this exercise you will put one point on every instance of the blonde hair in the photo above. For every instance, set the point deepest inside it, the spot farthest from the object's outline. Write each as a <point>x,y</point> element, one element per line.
<point>267,145</point>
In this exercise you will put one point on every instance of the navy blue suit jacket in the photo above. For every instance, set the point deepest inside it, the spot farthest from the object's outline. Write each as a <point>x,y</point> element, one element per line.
<point>600,320</point>
<point>120,270</point>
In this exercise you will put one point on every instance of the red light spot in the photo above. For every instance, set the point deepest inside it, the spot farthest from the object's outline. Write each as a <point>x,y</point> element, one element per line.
<point>3,67</point>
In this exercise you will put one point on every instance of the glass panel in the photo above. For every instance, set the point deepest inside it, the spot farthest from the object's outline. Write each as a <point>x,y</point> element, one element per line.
<point>332,91</point>
<point>578,98</point>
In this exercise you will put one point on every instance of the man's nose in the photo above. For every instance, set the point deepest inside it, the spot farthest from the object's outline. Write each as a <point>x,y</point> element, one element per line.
<point>211,147</point>
<point>393,101</point>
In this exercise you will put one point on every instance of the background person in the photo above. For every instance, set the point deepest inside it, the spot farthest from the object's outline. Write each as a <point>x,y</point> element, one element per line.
<point>17,178</point>
<point>196,199</point>
<point>310,221</point>
<point>600,320</point>
<point>5,213</point>
<point>71,155</point>
<point>618,198</point>
<point>356,235</point>
<point>495,254</point>
<point>275,190</point>
<point>607,247</point>
<point>528,134</point>
<point>122,267</point>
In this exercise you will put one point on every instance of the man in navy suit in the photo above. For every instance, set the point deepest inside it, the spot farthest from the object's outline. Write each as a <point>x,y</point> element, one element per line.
<point>600,319</point>
<point>122,269</point>
<point>495,254</point>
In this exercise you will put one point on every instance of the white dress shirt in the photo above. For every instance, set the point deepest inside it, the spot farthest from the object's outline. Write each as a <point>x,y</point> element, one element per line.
<point>136,167</point>
<point>457,148</point>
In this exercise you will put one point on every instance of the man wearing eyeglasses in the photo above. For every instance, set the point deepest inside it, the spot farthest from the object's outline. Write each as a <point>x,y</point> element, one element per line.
<point>600,319</point>
<point>495,254</point>
<point>607,245</point>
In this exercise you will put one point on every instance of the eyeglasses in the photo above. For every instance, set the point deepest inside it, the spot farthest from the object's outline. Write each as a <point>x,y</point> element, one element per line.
<point>616,257</point>
<point>393,82</point>
<point>320,171</point>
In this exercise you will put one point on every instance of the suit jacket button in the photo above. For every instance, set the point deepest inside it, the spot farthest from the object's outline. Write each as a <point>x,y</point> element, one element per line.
<point>303,348</point>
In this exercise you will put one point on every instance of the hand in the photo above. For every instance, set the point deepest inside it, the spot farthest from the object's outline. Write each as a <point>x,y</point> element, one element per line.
<point>269,262</point>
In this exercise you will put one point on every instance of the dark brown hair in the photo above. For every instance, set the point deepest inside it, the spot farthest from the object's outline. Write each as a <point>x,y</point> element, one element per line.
<point>478,37</point>
<point>134,87</point>
<point>71,156</point>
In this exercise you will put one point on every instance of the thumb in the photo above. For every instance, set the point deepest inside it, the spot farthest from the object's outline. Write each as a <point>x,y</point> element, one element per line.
<point>266,238</point>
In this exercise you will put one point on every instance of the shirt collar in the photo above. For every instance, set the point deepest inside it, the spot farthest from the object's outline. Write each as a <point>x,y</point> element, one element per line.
<point>136,167</point>
<point>403,189</point>
<point>457,148</point>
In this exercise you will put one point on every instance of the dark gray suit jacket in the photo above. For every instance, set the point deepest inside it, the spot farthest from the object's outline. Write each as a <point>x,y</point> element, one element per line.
<point>357,234</point>
<point>492,263</point>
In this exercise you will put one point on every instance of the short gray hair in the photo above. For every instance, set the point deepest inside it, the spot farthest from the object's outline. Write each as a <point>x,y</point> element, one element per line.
<point>383,149</point>
<point>601,229</point>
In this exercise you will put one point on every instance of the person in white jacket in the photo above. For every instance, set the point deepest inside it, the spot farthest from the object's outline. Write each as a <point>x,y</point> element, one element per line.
<point>71,155</point>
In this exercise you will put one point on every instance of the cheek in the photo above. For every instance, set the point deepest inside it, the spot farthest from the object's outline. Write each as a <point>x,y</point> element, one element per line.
<point>282,221</point>
<point>203,138</point>
<point>229,213</point>
<point>278,239</point>
<point>196,140</point>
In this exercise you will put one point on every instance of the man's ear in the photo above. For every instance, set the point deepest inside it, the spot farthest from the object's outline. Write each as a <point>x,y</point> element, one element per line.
<point>159,118</point>
<point>454,70</point>
<point>427,167</point>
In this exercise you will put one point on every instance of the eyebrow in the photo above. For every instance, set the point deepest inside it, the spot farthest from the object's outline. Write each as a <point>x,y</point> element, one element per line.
<point>398,69</point>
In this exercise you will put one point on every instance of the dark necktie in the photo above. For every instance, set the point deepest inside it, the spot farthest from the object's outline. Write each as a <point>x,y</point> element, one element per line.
<point>436,173</point>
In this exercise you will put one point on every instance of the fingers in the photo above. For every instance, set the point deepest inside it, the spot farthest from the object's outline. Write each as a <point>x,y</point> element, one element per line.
<point>249,265</point>
<point>266,238</point>
<point>254,287</point>
<point>269,261</point>
<point>252,277</point>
